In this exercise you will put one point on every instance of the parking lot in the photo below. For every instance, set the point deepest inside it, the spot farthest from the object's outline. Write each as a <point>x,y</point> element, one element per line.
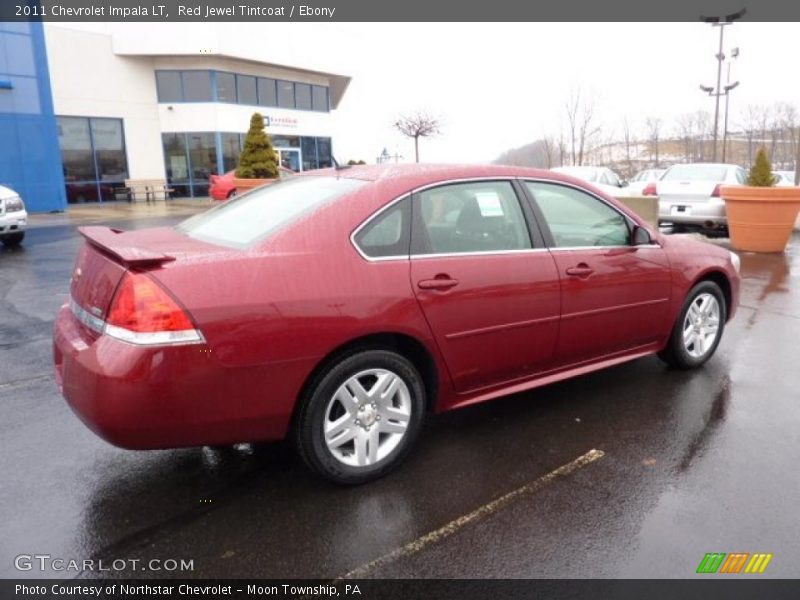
<point>684,463</point>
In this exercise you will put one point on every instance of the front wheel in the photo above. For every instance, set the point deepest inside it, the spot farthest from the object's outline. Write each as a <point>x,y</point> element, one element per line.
<point>361,416</point>
<point>698,328</point>
<point>13,239</point>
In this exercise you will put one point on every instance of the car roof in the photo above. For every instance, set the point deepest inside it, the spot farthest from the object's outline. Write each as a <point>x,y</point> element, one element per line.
<point>416,175</point>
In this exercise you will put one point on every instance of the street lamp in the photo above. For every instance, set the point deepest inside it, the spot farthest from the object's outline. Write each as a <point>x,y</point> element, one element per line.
<point>720,22</point>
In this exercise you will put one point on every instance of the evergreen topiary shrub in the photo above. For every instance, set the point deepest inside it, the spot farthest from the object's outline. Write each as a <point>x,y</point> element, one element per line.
<point>257,160</point>
<point>761,171</point>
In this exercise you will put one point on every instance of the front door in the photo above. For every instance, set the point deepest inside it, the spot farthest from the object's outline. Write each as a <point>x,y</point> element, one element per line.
<point>490,298</point>
<point>614,295</point>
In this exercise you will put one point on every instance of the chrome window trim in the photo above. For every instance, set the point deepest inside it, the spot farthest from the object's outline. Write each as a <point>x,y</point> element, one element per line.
<point>509,178</point>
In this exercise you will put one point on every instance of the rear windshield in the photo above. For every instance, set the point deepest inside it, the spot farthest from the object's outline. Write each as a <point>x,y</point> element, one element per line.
<point>695,173</point>
<point>251,217</point>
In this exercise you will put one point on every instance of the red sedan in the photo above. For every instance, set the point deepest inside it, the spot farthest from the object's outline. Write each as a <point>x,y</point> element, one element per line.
<point>341,306</point>
<point>222,187</point>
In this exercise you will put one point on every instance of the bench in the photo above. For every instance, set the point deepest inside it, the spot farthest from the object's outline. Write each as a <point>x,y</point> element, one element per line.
<point>136,190</point>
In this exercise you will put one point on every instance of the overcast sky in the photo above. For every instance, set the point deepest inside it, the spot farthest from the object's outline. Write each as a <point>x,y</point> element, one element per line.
<point>498,86</point>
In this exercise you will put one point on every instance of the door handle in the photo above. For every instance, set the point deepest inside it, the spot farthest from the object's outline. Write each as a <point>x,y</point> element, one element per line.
<point>581,270</point>
<point>440,282</point>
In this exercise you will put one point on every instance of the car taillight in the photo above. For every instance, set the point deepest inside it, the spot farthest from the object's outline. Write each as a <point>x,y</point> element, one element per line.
<point>715,193</point>
<point>649,189</point>
<point>142,312</point>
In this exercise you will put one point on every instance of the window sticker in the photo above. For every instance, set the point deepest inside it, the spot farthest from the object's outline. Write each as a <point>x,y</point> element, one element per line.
<point>489,204</point>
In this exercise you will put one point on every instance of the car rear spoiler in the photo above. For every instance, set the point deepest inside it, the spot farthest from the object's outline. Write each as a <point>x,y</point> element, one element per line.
<point>108,240</point>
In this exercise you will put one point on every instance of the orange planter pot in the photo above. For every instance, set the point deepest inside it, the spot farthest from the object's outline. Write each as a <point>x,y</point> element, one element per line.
<point>760,219</point>
<point>245,185</point>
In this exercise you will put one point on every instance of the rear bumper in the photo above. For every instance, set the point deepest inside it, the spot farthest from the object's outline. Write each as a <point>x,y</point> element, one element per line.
<point>168,397</point>
<point>14,222</point>
<point>694,213</point>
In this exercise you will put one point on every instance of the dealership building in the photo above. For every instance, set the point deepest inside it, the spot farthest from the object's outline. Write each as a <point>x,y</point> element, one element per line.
<point>85,107</point>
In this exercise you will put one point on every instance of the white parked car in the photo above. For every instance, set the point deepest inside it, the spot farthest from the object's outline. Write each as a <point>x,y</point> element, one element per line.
<point>689,194</point>
<point>639,181</point>
<point>13,218</point>
<point>784,178</point>
<point>602,178</point>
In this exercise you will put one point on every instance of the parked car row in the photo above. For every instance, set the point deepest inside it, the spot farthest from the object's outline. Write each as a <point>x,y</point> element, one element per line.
<point>688,194</point>
<point>13,217</point>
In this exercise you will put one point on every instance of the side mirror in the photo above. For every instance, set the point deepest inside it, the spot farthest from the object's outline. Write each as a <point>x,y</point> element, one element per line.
<point>623,184</point>
<point>641,237</point>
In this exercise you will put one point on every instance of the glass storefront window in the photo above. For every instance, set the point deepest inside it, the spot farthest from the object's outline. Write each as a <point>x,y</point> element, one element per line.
<point>285,141</point>
<point>177,163</point>
<point>231,148</point>
<point>202,156</point>
<point>267,95</point>
<point>319,98</point>
<point>168,86</point>
<point>302,94</point>
<point>196,86</point>
<point>75,141</point>
<point>246,89</point>
<point>324,152</point>
<point>93,158</point>
<point>308,146</point>
<point>226,87</point>
<point>285,94</point>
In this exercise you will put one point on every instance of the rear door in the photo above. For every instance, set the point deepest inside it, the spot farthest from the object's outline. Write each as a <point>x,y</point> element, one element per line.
<point>614,295</point>
<point>488,289</point>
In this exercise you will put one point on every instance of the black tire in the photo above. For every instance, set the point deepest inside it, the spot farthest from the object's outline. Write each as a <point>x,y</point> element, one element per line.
<point>675,354</point>
<point>13,239</point>
<point>311,418</point>
<point>231,194</point>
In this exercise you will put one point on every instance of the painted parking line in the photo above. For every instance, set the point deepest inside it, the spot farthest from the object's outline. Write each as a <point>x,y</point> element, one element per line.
<point>455,525</point>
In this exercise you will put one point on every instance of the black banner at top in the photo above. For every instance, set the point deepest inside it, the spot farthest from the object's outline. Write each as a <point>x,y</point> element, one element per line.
<point>396,10</point>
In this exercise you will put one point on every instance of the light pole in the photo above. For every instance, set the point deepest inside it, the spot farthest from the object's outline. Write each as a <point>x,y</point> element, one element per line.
<point>728,87</point>
<point>720,22</point>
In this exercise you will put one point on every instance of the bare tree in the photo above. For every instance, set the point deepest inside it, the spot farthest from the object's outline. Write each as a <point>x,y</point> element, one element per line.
<point>653,125</point>
<point>686,132</point>
<point>627,138</point>
<point>580,120</point>
<point>417,125</point>
<point>749,124</point>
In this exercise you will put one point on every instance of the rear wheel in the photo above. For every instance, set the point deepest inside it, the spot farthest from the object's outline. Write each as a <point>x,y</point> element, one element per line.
<point>13,239</point>
<point>361,416</point>
<point>698,328</point>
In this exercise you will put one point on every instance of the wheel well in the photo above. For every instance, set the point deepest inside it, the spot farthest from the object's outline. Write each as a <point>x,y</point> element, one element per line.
<point>405,345</point>
<point>722,281</point>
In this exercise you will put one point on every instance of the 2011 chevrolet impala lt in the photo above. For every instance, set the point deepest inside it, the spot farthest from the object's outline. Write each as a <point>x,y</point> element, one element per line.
<point>340,306</point>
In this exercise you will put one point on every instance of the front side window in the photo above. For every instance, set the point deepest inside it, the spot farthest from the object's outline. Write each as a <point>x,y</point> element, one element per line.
<point>577,219</point>
<point>251,217</point>
<point>480,216</point>
<point>388,234</point>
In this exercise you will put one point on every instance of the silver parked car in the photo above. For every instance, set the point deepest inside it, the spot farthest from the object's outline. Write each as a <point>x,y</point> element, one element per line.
<point>639,181</point>
<point>689,194</point>
<point>602,178</point>
<point>784,178</point>
<point>13,217</point>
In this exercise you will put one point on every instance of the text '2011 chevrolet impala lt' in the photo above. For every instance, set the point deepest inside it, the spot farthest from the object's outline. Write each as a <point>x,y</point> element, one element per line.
<point>339,307</point>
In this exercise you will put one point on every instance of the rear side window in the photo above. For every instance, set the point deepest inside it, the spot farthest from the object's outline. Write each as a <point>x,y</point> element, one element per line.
<point>479,216</point>
<point>388,234</point>
<point>251,217</point>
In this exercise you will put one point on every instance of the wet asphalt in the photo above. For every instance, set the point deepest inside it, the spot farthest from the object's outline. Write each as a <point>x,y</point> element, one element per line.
<point>693,462</point>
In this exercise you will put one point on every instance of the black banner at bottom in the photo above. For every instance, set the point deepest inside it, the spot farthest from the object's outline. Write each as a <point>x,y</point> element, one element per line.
<point>377,589</point>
